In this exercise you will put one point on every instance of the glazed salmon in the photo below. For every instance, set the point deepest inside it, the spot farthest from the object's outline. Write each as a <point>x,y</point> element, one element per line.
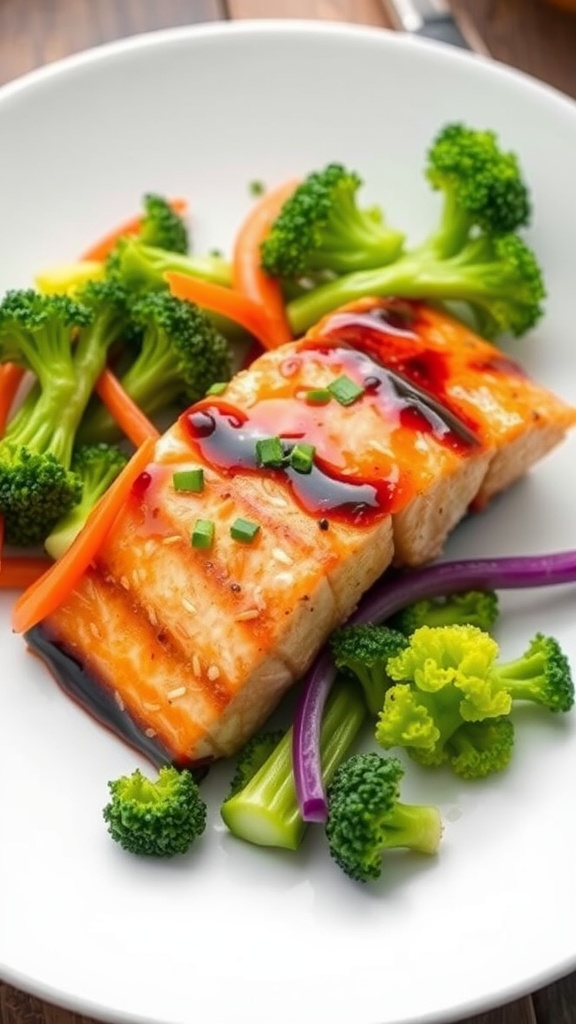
<point>392,420</point>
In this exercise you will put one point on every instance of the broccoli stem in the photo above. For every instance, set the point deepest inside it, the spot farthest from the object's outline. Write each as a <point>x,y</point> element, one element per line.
<point>415,826</point>
<point>265,812</point>
<point>471,276</point>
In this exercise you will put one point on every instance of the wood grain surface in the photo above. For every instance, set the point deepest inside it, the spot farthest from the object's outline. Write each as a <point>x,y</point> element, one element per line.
<point>527,34</point>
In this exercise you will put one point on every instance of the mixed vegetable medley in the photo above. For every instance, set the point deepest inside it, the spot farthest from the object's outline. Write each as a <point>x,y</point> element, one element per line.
<point>103,351</point>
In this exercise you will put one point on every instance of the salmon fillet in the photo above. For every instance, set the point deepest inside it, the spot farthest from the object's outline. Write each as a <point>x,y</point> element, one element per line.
<point>198,645</point>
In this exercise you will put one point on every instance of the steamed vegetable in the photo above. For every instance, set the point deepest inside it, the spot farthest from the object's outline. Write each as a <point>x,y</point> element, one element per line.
<point>321,227</point>
<point>474,256</point>
<point>65,344</point>
<point>160,818</point>
<point>378,605</point>
<point>181,354</point>
<point>366,816</point>
<point>262,807</point>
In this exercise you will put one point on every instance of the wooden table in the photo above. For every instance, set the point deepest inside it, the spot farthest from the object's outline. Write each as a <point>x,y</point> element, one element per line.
<point>527,34</point>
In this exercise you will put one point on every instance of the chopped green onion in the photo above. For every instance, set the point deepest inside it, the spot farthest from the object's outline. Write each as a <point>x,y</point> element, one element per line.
<point>217,389</point>
<point>244,530</point>
<point>302,457</point>
<point>269,451</point>
<point>188,480</point>
<point>345,390</point>
<point>256,188</point>
<point>318,396</point>
<point>203,533</point>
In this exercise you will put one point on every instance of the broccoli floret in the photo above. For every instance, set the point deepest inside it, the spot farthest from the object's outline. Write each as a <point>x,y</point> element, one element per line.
<point>471,608</point>
<point>97,466</point>
<point>162,226</point>
<point>64,343</point>
<point>541,674</point>
<point>444,677</point>
<point>451,676</point>
<point>366,816</point>
<point>181,355</point>
<point>364,651</point>
<point>265,810</point>
<point>481,184</point>
<point>158,818</point>
<point>322,228</point>
<point>473,258</point>
<point>142,267</point>
<point>478,749</point>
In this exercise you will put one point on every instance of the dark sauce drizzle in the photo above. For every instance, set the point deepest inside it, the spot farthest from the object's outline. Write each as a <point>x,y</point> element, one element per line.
<point>406,393</point>
<point>227,438</point>
<point>82,686</point>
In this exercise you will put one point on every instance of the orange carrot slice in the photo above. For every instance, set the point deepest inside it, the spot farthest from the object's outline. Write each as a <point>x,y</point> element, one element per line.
<point>20,572</point>
<point>103,247</point>
<point>45,595</point>
<point>226,301</point>
<point>129,417</point>
<point>247,274</point>
<point>10,378</point>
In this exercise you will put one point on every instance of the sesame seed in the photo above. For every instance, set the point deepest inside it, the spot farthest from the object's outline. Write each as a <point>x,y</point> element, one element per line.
<point>213,673</point>
<point>125,582</point>
<point>196,665</point>
<point>172,539</point>
<point>119,701</point>
<point>281,556</point>
<point>150,707</point>
<point>150,733</point>
<point>94,630</point>
<point>152,616</point>
<point>178,692</point>
<point>250,613</point>
<point>188,606</point>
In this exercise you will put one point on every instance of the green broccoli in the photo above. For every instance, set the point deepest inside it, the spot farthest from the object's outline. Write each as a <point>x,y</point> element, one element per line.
<point>473,258</point>
<point>265,811</point>
<point>162,226</point>
<point>366,816</point>
<point>65,344</point>
<point>364,651</point>
<point>158,818</point>
<point>470,608</point>
<point>449,676</point>
<point>541,675</point>
<point>181,355</point>
<point>321,228</point>
<point>97,466</point>
<point>478,749</point>
<point>142,267</point>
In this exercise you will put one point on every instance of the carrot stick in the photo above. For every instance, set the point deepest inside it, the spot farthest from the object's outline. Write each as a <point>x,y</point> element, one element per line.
<point>247,274</point>
<point>47,593</point>
<point>20,572</point>
<point>226,301</point>
<point>10,377</point>
<point>102,248</point>
<point>129,417</point>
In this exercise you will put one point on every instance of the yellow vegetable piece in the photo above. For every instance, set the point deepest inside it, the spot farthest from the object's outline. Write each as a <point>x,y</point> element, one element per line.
<point>66,278</point>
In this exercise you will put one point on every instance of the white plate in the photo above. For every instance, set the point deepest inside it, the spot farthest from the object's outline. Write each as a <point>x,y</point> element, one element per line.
<point>233,934</point>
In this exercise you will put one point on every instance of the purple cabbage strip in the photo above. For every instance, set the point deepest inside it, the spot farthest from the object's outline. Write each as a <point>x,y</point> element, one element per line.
<point>383,600</point>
